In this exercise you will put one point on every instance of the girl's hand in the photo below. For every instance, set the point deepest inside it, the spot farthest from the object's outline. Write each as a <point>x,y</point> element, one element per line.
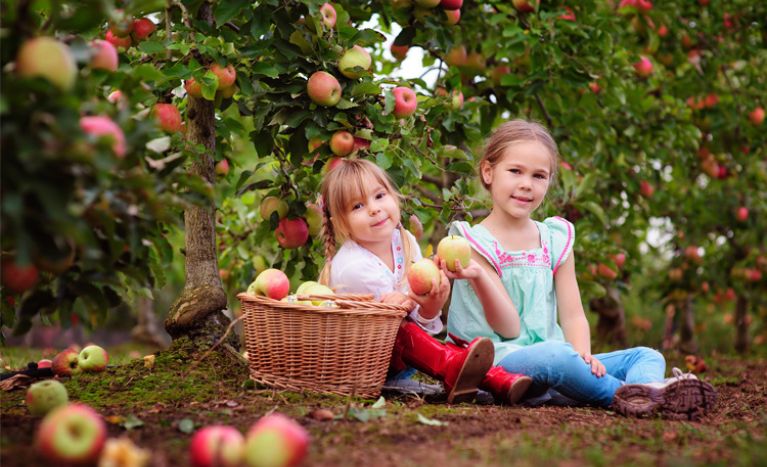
<point>597,368</point>
<point>397,298</point>
<point>433,302</point>
<point>472,271</point>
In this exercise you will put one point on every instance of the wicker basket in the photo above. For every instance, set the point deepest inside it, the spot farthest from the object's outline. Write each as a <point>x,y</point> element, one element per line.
<point>343,350</point>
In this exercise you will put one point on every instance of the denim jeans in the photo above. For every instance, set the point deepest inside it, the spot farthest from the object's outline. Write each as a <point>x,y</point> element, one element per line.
<point>556,365</point>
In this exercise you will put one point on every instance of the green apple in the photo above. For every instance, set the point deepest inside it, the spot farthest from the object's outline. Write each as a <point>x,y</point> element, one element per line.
<point>314,219</point>
<point>356,57</point>
<point>71,434</point>
<point>454,248</point>
<point>45,396</point>
<point>271,204</point>
<point>93,358</point>
<point>47,58</point>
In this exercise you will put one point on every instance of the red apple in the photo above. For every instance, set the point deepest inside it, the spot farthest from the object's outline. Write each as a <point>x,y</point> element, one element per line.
<point>693,253</point>
<point>143,28</point>
<point>116,97</point>
<point>456,56</point>
<point>606,271</point>
<point>342,143</point>
<point>292,233</point>
<point>452,17</point>
<point>222,167</point>
<point>742,214</point>
<point>405,101</point>
<point>753,275</point>
<point>475,62</point>
<point>332,163</point>
<point>72,434</point>
<point>45,396</point>
<point>324,89</point>
<point>361,143</point>
<point>662,30</point>
<point>569,15</point>
<point>643,67</point>
<point>619,259</point>
<point>451,4</point>
<point>103,55</point>
<point>216,446</point>
<point>644,5</point>
<point>271,283</point>
<point>93,359</point>
<point>271,204</point>
<point>100,126</point>
<point>66,363</point>
<point>18,279</point>
<point>117,41</point>
<point>193,88</point>
<point>399,51</point>
<point>524,6</point>
<point>276,441</point>
<point>675,274</point>
<point>416,228</point>
<point>356,57</point>
<point>47,58</point>
<point>422,276</point>
<point>454,248</point>
<point>711,100</point>
<point>226,75</point>
<point>594,86</point>
<point>328,15</point>
<point>44,363</point>
<point>646,189</point>
<point>168,117</point>
<point>499,72</point>
<point>756,116</point>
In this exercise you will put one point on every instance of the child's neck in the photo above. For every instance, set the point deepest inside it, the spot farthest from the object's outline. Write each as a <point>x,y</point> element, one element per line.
<point>514,233</point>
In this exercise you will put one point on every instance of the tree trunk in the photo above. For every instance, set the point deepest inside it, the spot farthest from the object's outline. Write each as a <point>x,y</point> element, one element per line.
<point>147,329</point>
<point>741,324</point>
<point>197,312</point>
<point>687,342</point>
<point>611,327</point>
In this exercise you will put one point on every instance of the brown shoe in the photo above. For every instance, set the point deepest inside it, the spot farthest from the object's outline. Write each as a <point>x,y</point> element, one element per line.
<point>683,397</point>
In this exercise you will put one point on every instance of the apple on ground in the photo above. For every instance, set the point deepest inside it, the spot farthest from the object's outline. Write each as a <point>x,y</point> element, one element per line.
<point>45,396</point>
<point>216,446</point>
<point>328,15</point>
<point>102,126</point>
<point>271,204</point>
<point>18,278</point>
<point>643,67</point>
<point>313,219</point>
<point>324,89</point>
<point>422,276</point>
<point>142,28</point>
<point>121,452</point>
<point>271,283</point>
<point>118,41</point>
<point>47,58</point>
<point>405,102</point>
<point>292,233</point>
<point>276,441</point>
<point>226,75</point>
<point>756,116</point>
<point>103,56</point>
<point>454,248</point>
<point>168,117</point>
<point>399,51</point>
<point>452,17</point>
<point>356,57</point>
<point>44,363</point>
<point>72,434</point>
<point>342,143</point>
<point>66,363</point>
<point>93,358</point>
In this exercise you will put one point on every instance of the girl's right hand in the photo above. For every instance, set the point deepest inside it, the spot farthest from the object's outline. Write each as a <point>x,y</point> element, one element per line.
<point>472,271</point>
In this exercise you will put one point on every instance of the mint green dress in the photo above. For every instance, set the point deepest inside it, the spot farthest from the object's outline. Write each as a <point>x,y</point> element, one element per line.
<point>528,277</point>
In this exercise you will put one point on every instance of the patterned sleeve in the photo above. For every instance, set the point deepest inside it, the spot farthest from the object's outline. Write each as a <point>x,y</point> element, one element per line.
<point>562,238</point>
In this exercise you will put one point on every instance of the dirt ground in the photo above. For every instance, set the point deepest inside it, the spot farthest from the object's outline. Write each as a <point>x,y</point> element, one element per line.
<point>166,398</point>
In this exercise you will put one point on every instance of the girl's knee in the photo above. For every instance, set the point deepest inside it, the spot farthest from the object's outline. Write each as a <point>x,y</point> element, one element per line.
<point>651,354</point>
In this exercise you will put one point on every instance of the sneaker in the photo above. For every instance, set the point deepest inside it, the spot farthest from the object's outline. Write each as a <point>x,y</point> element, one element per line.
<point>681,397</point>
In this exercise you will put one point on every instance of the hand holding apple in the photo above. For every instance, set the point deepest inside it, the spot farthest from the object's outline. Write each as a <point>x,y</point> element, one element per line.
<point>454,248</point>
<point>422,276</point>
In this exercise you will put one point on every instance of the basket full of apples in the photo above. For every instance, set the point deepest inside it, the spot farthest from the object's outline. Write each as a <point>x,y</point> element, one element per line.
<point>315,339</point>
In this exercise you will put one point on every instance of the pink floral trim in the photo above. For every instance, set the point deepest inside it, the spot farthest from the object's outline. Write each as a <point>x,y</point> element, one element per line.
<point>526,258</point>
<point>479,248</point>
<point>567,244</point>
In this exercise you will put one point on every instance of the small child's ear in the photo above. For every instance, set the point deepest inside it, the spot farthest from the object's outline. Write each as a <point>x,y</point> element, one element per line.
<point>486,172</point>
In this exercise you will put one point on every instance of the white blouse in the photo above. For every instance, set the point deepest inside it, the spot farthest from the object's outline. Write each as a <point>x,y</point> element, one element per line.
<point>355,269</point>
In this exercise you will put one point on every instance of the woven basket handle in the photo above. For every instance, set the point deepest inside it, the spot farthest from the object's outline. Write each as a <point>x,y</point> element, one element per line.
<point>336,297</point>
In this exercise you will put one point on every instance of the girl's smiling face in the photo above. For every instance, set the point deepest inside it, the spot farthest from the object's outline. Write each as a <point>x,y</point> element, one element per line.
<point>519,181</point>
<point>373,215</point>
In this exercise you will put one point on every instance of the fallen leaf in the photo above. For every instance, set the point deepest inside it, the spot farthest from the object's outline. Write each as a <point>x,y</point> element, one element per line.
<point>322,415</point>
<point>185,425</point>
<point>131,422</point>
<point>379,404</point>
<point>114,419</point>
<point>15,381</point>
<point>149,361</point>
<point>430,421</point>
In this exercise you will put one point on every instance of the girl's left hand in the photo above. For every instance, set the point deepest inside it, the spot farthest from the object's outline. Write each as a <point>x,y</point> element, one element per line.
<point>432,302</point>
<point>597,368</point>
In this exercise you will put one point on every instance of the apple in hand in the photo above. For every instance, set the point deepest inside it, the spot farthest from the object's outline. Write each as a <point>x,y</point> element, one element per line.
<point>276,441</point>
<point>45,396</point>
<point>324,89</point>
<point>271,204</point>
<point>353,58</point>
<point>18,279</point>
<point>342,143</point>
<point>271,283</point>
<point>168,117</point>
<point>66,363</point>
<point>103,55</point>
<point>422,276</point>
<point>93,358</point>
<point>292,233</point>
<point>643,67</point>
<point>216,446</point>
<point>405,101</point>
<point>72,434</point>
<point>47,58</point>
<point>101,126</point>
<point>328,15</point>
<point>452,248</point>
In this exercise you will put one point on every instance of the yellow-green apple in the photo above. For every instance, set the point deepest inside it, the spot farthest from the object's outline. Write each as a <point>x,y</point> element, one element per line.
<point>421,13</point>
<point>452,17</point>
<point>524,6</point>
<point>328,15</point>
<point>456,99</point>
<point>416,228</point>
<point>606,271</point>
<point>271,204</point>
<point>314,288</point>
<point>47,58</point>
<point>193,88</point>
<point>646,189</point>
<point>456,56</point>
<point>292,233</point>
<point>168,117</point>
<point>271,283</point>
<point>93,359</point>
<point>142,28</point>
<point>18,279</point>
<point>227,93</point>
<point>742,214</point>
<point>276,441</point>
<point>222,167</point>
<point>66,363</point>
<point>313,219</point>
<point>451,4</point>
<point>315,143</point>
<point>405,101</point>
<point>400,4</point>
<point>72,434</point>
<point>117,41</point>
<point>356,57</point>
<point>427,3</point>
<point>422,276</point>
<point>399,51</point>
<point>342,143</point>
<point>643,67</point>
<point>216,446</point>
<point>323,89</point>
<point>454,248</point>
<point>45,396</point>
<point>100,126</point>
<point>226,75</point>
<point>103,55</point>
<point>756,116</point>
<point>122,452</point>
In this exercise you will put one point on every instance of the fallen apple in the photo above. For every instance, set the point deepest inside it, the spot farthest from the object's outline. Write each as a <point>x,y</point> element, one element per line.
<point>216,446</point>
<point>71,434</point>
<point>45,396</point>
<point>276,441</point>
<point>93,359</point>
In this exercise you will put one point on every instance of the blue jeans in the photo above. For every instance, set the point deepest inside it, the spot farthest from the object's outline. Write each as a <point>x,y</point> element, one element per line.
<point>556,365</point>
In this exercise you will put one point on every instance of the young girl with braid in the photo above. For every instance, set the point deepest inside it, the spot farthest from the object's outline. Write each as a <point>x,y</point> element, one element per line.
<point>361,212</point>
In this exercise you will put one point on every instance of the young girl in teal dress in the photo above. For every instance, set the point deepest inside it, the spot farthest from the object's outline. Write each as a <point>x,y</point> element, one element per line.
<point>520,291</point>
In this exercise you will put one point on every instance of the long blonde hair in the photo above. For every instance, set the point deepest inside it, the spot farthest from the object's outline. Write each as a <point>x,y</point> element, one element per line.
<point>341,186</point>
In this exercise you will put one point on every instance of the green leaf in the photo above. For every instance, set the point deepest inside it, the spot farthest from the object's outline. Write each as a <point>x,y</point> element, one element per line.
<point>379,404</point>
<point>147,72</point>
<point>185,425</point>
<point>152,47</point>
<point>131,422</point>
<point>227,9</point>
<point>264,69</point>
<point>383,160</point>
<point>597,210</point>
<point>430,421</point>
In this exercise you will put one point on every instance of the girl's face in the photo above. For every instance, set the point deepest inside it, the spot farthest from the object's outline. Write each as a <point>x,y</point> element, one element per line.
<point>373,216</point>
<point>519,180</point>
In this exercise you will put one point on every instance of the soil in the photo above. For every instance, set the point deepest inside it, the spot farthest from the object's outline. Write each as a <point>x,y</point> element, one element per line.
<point>168,396</point>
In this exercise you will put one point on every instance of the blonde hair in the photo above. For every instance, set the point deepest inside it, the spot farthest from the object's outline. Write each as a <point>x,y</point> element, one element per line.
<point>512,132</point>
<point>341,186</point>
